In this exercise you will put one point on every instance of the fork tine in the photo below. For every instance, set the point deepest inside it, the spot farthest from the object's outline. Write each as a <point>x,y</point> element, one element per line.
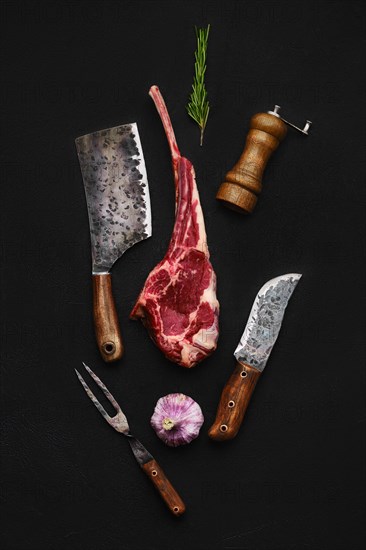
<point>106,392</point>
<point>90,394</point>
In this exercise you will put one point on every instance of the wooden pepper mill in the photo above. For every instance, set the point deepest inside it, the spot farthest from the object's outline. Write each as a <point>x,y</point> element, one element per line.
<point>243,182</point>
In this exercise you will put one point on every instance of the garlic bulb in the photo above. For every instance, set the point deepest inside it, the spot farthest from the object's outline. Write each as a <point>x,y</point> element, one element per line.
<point>177,419</point>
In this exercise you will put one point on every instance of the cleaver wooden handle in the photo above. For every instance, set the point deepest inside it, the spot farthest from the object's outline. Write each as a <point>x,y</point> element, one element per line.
<point>234,402</point>
<point>106,323</point>
<point>165,488</point>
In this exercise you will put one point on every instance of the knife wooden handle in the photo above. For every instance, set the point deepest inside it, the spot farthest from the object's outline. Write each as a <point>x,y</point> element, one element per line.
<point>106,323</point>
<point>244,181</point>
<point>165,488</point>
<point>234,402</point>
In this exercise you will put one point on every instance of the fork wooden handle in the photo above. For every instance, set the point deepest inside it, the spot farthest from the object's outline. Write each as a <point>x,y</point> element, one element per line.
<point>106,323</point>
<point>165,488</point>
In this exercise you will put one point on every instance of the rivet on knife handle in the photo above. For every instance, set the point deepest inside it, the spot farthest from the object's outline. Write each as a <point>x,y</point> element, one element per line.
<point>234,402</point>
<point>106,322</point>
<point>165,488</point>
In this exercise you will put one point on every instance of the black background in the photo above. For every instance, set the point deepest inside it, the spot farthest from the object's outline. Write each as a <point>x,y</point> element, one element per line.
<point>293,478</point>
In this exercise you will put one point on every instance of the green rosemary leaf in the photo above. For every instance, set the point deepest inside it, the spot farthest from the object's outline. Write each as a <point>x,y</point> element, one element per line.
<point>198,106</point>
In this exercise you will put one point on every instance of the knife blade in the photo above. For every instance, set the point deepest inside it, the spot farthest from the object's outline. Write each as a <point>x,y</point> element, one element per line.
<point>252,353</point>
<point>117,195</point>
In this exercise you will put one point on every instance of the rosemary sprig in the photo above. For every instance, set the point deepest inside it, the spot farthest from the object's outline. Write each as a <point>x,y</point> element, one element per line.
<point>198,106</point>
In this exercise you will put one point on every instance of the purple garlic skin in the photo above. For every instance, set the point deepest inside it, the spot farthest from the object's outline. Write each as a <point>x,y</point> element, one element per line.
<point>177,419</point>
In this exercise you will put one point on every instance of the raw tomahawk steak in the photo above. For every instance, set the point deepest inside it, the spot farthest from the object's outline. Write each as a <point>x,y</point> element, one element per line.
<point>178,303</point>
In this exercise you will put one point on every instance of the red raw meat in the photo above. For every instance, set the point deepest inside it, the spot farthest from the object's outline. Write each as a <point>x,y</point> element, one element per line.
<point>178,303</point>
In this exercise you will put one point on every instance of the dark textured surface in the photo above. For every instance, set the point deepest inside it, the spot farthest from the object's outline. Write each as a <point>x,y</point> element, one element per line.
<point>293,478</point>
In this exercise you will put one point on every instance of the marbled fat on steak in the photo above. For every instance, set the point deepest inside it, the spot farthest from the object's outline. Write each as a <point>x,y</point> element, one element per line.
<point>178,303</point>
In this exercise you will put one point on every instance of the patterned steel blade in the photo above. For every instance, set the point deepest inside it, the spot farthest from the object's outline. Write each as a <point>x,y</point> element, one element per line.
<point>117,192</point>
<point>265,321</point>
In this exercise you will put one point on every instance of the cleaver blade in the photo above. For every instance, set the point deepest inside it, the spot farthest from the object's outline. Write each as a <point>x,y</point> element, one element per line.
<point>117,196</point>
<point>252,353</point>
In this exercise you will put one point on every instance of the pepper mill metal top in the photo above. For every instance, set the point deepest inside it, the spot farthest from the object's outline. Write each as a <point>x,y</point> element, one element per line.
<point>304,130</point>
<point>243,182</point>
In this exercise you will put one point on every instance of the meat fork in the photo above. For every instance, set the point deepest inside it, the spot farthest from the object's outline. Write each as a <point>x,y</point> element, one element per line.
<point>143,457</point>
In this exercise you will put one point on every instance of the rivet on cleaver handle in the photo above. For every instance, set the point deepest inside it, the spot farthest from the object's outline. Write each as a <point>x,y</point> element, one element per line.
<point>117,196</point>
<point>252,354</point>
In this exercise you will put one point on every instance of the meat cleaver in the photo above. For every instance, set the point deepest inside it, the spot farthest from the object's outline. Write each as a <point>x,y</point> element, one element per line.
<point>117,195</point>
<point>252,354</point>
